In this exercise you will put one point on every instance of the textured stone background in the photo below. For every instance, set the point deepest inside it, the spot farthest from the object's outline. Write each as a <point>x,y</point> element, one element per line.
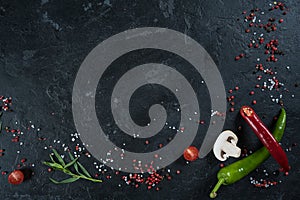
<point>42,44</point>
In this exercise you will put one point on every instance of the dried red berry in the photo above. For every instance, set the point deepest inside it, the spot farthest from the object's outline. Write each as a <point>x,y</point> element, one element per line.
<point>202,122</point>
<point>286,173</point>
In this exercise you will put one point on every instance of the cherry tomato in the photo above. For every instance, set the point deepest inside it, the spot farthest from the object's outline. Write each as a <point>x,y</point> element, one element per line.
<point>16,177</point>
<point>191,153</point>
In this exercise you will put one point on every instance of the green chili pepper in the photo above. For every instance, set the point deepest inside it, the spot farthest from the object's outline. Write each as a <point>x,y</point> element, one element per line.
<point>237,170</point>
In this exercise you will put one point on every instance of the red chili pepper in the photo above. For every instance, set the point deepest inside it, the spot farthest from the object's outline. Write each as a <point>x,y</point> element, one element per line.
<point>265,136</point>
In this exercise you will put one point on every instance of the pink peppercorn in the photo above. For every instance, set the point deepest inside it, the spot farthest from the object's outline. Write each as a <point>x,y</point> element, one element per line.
<point>286,173</point>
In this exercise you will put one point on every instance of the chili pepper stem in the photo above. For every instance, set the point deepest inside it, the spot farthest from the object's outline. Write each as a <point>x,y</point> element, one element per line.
<point>213,193</point>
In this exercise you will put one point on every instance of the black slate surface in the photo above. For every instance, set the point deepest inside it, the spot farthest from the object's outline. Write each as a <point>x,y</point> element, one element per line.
<point>42,44</point>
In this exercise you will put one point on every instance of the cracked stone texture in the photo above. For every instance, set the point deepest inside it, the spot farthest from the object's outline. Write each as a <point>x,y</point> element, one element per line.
<point>42,44</point>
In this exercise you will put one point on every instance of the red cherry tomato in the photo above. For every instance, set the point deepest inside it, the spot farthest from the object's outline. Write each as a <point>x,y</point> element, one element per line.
<point>16,177</point>
<point>191,153</point>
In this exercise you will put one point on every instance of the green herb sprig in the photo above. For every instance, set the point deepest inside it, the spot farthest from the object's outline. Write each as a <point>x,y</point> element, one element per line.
<point>81,172</point>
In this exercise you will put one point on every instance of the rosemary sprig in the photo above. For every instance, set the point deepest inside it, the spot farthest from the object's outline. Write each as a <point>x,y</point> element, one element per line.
<point>81,172</point>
